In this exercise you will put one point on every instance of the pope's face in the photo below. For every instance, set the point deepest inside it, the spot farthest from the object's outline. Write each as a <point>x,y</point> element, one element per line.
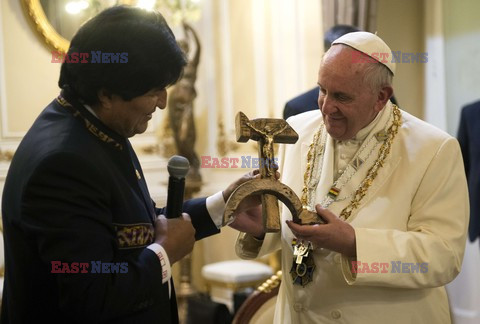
<point>129,118</point>
<point>347,103</point>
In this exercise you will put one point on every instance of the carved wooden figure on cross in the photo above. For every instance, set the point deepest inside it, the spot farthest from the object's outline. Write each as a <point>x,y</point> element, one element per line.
<point>266,145</point>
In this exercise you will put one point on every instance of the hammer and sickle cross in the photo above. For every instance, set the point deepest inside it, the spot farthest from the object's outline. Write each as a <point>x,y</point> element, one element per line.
<point>266,131</point>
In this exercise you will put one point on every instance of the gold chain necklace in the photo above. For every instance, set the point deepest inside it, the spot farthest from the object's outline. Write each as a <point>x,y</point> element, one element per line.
<point>312,156</point>
<point>371,174</point>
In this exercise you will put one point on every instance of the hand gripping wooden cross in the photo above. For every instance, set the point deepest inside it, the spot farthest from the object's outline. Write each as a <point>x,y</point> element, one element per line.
<point>267,131</point>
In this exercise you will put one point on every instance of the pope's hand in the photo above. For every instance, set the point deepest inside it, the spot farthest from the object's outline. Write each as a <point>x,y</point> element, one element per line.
<point>336,234</point>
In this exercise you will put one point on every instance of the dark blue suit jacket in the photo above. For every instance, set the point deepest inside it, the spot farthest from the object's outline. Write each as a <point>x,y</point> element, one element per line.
<point>305,102</point>
<point>469,139</point>
<point>75,192</point>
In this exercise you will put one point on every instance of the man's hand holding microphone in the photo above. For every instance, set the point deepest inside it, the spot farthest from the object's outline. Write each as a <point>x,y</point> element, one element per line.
<point>175,232</point>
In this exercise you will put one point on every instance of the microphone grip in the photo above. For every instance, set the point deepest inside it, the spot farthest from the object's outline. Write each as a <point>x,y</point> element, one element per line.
<point>176,189</point>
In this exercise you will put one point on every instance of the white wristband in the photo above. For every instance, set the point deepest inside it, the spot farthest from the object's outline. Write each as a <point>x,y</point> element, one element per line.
<point>164,261</point>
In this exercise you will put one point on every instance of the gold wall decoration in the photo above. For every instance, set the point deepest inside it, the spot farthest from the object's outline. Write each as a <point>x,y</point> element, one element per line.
<point>175,11</point>
<point>40,22</point>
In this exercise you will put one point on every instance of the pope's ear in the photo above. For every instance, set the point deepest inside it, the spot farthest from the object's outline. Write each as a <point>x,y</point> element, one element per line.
<point>383,96</point>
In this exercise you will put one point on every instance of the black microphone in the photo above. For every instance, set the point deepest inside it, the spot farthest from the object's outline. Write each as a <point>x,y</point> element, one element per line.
<point>177,169</point>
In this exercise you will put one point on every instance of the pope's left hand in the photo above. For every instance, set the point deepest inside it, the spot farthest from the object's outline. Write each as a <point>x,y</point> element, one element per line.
<point>336,234</point>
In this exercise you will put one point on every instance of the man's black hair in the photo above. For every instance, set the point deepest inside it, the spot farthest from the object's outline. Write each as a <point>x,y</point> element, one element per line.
<point>336,32</point>
<point>153,58</point>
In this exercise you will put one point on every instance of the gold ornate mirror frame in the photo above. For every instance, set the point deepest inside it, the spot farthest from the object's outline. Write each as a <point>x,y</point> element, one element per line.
<point>46,31</point>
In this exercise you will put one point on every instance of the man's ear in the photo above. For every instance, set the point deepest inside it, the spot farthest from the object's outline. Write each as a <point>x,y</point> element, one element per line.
<point>383,95</point>
<point>105,98</point>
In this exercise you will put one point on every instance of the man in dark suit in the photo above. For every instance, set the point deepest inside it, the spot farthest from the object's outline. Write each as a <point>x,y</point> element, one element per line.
<point>469,139</point>
<point>84,242</point>
<point>309,100</point>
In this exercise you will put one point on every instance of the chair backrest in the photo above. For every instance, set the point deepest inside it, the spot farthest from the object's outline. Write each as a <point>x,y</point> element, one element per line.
<point>259,307</point>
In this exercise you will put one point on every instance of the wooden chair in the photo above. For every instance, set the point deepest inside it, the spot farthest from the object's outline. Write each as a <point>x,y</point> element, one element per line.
<point>259,307</point>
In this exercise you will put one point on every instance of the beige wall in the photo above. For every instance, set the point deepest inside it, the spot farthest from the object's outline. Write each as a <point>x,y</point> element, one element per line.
<point>400,24</point>
<point>30,77</point>
<point>462,54</point>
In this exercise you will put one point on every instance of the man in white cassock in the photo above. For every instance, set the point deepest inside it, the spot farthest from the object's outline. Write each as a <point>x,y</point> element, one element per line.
<point>391,190</point>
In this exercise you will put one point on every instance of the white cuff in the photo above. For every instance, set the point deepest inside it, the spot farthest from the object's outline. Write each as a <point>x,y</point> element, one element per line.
<point>164,261</point>
<point>216,208</point>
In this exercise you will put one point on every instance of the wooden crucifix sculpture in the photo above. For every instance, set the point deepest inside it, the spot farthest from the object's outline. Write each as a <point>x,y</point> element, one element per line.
<point>267,131</point>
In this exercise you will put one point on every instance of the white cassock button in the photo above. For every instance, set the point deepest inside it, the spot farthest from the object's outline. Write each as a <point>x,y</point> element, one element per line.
<point>297,307</point>
<point>336,314</point>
